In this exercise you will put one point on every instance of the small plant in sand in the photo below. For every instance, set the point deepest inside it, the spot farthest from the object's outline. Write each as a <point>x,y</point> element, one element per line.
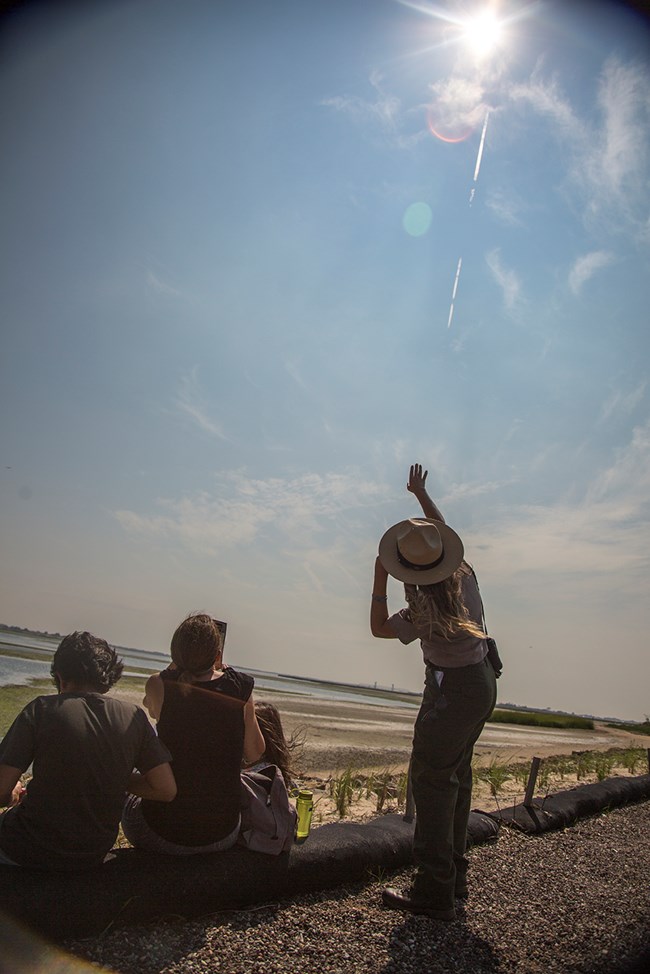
<point>544,776</point>
<point>402,788</point>
<point>383,787</point>
<point>584,764</point>
<point>520,773</point>
<point>562,765</point>
<point>496,774</point>
<point>632,758</point>
<point>342,791</point>
<point>603,765</point>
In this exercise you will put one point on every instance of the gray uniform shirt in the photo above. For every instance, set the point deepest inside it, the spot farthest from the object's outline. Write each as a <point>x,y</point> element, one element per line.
<point>462,651</point>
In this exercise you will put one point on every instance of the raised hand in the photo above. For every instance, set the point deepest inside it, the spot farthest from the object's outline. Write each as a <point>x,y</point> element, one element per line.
<point>417,480</point>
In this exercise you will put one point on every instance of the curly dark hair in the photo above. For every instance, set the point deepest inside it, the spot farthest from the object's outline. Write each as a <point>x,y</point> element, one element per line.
<point>86,660</point>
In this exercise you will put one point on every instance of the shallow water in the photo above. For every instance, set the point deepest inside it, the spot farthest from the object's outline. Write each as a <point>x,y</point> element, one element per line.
<point>20,671</point>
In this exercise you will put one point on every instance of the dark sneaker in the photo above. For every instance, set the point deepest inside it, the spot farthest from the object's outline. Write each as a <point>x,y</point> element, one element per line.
<point>401,901</point>
<point>461,892</point>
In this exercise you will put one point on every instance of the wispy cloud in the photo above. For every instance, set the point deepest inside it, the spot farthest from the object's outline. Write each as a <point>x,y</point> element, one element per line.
<point>619,167</point>
<point>608,156</point>
<point>293,369</point>
<point>602,540</point>
<point>623,403</point>
<point>586,266</point>
<point>382,115</point>
<point>546,98</point>
<point>240,510</point>
<point>457,105</point>
<point>382,108</point>
<point>507,209</point>
<point>505,278</point>
<point>155,282</point>
<point>459,492</point>
<point>190,402</point>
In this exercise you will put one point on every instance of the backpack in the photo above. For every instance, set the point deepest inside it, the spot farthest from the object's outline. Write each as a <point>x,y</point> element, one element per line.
<point>268,819</point>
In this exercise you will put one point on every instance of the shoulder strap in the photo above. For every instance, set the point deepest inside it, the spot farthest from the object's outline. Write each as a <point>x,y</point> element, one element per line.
<point>485,628</point>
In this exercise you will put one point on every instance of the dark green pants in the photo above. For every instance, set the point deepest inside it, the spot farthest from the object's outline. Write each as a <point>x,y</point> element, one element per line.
<point>449,722</point>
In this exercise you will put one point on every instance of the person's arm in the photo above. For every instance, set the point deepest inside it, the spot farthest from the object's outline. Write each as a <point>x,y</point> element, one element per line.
<point>254,745</point>
<point>158,784</point>
<point>379,605</point>
<point>417,486</point>
<point>11,789</point>
<point>154,694</point>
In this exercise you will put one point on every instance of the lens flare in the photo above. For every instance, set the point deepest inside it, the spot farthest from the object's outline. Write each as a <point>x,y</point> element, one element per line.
<point>448,131</point>
<point>417,219</point>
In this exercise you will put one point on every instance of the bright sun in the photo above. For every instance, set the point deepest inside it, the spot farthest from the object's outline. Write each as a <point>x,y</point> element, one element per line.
<point>482,33</point>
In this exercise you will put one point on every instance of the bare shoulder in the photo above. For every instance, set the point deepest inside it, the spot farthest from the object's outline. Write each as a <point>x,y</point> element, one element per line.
<point>154,694</point>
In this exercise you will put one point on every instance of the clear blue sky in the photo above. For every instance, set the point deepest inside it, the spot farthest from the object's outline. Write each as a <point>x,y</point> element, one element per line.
<point>230,235</point>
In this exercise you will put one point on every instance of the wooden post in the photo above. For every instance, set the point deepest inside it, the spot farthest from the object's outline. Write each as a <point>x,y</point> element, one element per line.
<point>532,779</point>
<point>649,759</point>
<point>409,811</point>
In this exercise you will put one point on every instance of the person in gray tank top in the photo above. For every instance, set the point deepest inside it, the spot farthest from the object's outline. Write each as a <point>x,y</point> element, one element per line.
<point>444,612</point>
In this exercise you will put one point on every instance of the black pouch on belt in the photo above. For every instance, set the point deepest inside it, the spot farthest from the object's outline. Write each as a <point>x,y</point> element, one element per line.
<point>493,656</point>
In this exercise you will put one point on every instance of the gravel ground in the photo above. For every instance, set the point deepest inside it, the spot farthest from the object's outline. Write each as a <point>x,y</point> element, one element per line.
<point>576,902</point>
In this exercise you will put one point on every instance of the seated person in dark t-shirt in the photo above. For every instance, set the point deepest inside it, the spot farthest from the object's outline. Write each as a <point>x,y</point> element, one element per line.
<point>206,717</point>
<point>84,747</point>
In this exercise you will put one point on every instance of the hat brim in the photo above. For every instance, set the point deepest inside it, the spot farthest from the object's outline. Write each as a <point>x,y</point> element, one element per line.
<point>453,553</point>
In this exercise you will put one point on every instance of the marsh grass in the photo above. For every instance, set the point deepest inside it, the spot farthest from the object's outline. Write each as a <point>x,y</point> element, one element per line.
<point>495,776</point>
<point>584,764</point>
<point>14,698</point>
<point>561,765</point>
<point>342,791</point>
<point>500,779</point>
<point>384,787</point>
<point>535,719</point>
<point>603,765</point>
<point>387,786</point>
<point>641,728</point>
<point>632,758</point>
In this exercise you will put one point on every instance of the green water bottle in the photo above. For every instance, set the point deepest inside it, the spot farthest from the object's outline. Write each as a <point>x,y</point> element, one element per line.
<point>304,808</point>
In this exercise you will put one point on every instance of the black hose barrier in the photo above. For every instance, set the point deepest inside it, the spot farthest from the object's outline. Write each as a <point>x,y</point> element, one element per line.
<point>137,887</point>
<point>566,807</point>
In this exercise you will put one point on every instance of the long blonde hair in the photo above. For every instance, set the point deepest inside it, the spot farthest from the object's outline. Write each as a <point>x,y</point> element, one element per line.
<point>439,609</point>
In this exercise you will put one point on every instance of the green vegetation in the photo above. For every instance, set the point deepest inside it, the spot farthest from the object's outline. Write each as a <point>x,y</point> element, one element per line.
<point>495,776</point>
<point>643,728</point>
<point>541,719</point>
<point>633,758</point>
<point>342,791</point>
<point>14,698</point>
<point>603,765</point>
<point>387,785</point>
<point>43,655</point>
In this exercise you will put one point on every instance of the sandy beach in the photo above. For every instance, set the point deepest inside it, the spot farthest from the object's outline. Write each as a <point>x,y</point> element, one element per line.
<point>338,735</point>
<point>373,739</point>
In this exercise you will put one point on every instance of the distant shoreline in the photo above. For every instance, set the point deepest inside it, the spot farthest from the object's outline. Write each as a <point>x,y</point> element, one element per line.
<point>383,695</point>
